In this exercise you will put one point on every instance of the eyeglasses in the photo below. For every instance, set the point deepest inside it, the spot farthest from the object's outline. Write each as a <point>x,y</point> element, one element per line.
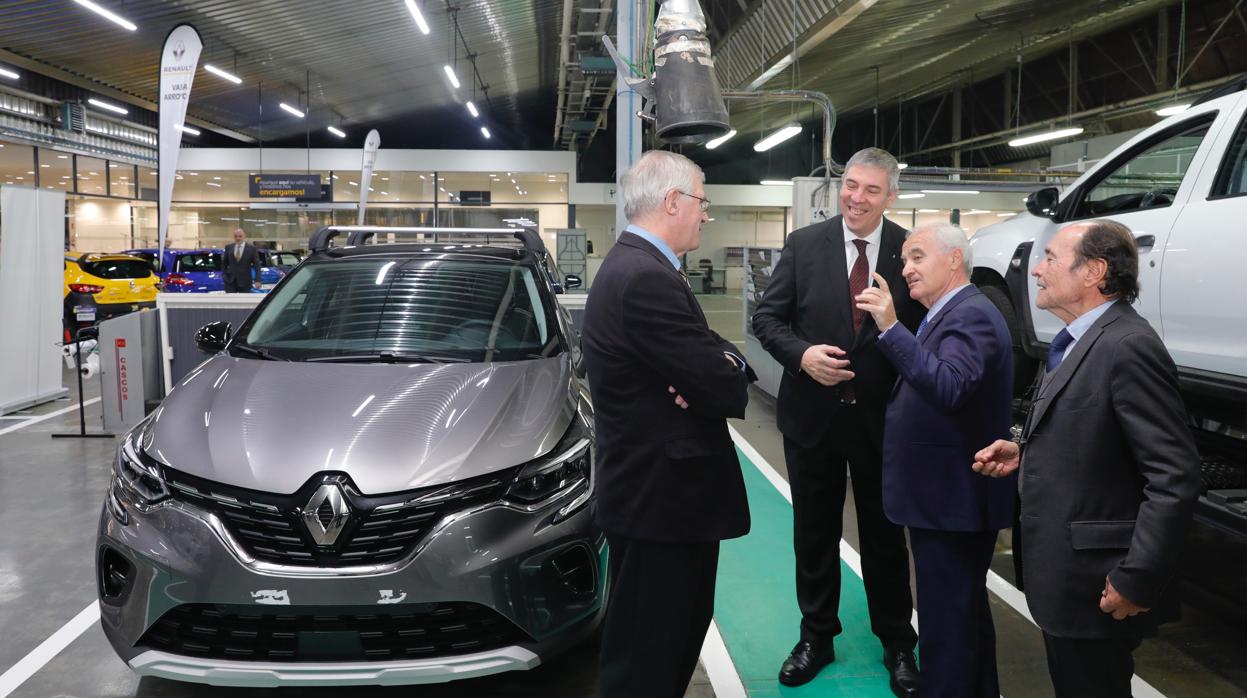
<point>705,203</point>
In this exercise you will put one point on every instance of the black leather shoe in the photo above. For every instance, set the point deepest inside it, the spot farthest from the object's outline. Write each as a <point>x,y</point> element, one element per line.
<point>903,672</point>
<point>806,660</point>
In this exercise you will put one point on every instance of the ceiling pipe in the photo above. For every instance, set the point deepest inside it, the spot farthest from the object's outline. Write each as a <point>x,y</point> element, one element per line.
<point>564,56</point>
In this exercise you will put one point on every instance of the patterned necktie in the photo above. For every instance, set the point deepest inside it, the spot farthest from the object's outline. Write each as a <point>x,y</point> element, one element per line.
<point>921,326</point>
<point>237,251</point>
<point>1056,350</point>
<point>859,278</point>
<point>685,277</point>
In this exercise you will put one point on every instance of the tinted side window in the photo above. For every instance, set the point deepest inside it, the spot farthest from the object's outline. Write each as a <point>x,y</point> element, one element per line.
<point>1232,179</point>
<point>1148,179</point>
<point>200,261</point>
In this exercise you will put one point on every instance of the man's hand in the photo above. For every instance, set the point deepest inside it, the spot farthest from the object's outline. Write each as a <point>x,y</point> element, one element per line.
<point>998,460</point>
<point>1118,605</point>
<point>679,400</point>
<point>878,302</point>
<point>821,363</point>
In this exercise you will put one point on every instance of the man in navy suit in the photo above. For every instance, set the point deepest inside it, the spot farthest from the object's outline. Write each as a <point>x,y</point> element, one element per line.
<point>952,399</point>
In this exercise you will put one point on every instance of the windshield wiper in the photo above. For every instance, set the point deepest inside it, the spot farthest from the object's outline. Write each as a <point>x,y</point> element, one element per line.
<point>387,357</point>
<point>258,352</point>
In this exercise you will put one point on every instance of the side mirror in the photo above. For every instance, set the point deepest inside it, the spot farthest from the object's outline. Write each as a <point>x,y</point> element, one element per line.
<point>572,281</point>
<point>1043,202</point>
<point>212,337</point>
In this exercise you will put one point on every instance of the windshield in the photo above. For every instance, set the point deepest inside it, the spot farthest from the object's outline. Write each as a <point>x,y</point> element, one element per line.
<point>117,268</point>
<point>199,261</point>
<point>428,309</point>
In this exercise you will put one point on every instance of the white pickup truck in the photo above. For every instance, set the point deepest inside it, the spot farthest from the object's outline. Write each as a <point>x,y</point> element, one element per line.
<point>1181,187</point>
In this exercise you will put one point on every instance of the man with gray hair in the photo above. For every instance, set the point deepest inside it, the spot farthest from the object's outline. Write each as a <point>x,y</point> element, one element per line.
<point>668,482</point>
<point>953,398</point>
<point>830,410</point>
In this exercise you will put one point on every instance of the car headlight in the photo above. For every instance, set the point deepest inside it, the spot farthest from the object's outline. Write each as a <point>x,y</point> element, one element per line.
<point>138,479</point>
<point>567,469</point>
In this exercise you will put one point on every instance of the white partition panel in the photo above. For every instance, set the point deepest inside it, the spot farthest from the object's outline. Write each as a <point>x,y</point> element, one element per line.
<point>32,243</point>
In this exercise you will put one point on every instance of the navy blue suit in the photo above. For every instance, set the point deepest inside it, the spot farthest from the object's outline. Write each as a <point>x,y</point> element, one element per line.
<point>953,398</point>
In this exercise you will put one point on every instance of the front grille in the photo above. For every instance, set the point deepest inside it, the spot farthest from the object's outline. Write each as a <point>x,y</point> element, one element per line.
<point>378,530</point>
<point>330,634</point>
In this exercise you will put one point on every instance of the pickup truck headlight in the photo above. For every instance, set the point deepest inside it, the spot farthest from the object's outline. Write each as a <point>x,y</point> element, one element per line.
<point>137,479</point>
<point>566,470</point>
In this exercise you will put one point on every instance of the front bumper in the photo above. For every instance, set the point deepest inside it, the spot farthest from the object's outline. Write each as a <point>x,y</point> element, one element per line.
<point>274,674</point>
<point>497,557</point>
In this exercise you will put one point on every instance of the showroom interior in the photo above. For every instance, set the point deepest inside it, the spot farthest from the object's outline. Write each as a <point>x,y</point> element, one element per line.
<point>325,130</point>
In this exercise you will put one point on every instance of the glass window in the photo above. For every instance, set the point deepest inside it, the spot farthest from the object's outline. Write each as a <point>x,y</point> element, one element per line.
<point>147,183</point>
<point>427,309</point>
<point>117,268</point>
<point>16,164</point>
<point>1232,179</point>
<point>199,261</point>
<point>92,176</point>
<point>121,179</point>
<point>1148,179</point>
<point>56,170</point>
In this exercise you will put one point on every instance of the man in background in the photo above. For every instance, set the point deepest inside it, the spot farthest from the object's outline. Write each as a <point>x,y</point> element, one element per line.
<point>240,260</point>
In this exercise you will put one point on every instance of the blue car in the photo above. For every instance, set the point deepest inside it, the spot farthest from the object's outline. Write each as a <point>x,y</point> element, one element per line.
<point>197,271</point>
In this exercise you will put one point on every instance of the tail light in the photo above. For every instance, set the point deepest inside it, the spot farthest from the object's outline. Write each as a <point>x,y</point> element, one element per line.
<point>178,280</point>
<point>85,288</point>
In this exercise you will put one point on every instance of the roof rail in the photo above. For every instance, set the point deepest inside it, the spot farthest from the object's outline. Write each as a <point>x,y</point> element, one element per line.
<point>360,234</point>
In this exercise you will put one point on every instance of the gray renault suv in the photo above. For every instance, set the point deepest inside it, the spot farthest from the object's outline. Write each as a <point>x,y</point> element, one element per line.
<point>383,477</point>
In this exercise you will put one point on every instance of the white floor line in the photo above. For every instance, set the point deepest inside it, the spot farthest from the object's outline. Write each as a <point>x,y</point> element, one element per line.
<point>995,583</point>
<point>719,667</point>
<point>49,415</point>
<point>26,667</point>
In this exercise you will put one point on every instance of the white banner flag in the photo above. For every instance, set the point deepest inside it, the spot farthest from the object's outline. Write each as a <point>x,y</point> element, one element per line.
<point>177,70</point>
<point>371,144</point>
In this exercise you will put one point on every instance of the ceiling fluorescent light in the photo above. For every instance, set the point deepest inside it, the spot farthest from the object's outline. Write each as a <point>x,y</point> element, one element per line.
<point>107,15</point>
<point>910,196</point>
<point>1172,109</point>
<point>485,133</point>
<point>472,109</point>
<point>711,145</point>
<point>212,184</point>
<point>776,138</point>
<point>292,110</point>
<point>950,191</point>
<point>778,182</point>
<point>106,105</point>
<point>9,74</point>
<point>1049,136</point>
<point>337,132</point>
<point>416,15</point>
<point>901,165</point>
<point>188,129</point>
<point>222,74</point>
<point>771,72</point>
<point>450,75</point>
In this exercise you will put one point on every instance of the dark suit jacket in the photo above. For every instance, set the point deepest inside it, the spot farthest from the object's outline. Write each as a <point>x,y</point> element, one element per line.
<point>663,473</point>
<point>237,273</point>
<point>1110,476</point>
<point>806,303</point>
<point>953,398</point>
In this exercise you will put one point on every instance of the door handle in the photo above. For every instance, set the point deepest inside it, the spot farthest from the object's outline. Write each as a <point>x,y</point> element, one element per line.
<point>1145,242</point>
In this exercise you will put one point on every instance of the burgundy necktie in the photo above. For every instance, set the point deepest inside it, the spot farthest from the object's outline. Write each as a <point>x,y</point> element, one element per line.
<point>859,279</point>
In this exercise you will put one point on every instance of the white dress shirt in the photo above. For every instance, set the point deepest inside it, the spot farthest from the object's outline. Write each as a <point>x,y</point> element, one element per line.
<point>872,250</point>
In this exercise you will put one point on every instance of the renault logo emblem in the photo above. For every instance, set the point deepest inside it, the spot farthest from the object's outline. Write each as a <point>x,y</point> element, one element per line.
<point>326,514</point>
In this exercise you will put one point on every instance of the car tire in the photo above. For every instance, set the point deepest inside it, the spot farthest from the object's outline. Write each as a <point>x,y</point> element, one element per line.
<point>1023,365</point>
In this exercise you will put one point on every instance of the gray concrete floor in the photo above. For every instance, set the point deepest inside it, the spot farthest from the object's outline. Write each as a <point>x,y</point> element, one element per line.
<point>50,496</point>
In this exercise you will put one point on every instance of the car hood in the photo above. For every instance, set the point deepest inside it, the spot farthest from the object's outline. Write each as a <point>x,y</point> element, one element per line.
<point>271,425</point>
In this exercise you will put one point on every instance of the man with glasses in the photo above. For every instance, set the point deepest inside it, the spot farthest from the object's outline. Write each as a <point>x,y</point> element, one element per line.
<point>669,485</point>
<point>830,410</point>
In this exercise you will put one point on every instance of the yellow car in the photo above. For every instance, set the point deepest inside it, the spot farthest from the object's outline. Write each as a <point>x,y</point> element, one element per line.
<point>100,286</point>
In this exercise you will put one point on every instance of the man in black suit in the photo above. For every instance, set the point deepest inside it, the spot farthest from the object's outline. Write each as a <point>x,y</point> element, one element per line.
<point>830,409</point>
<point>669,485</point>
<point>1110,473</point>
<point>240,260</point>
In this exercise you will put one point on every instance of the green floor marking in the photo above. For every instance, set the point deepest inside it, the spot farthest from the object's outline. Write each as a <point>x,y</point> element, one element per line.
<point>756,607</point>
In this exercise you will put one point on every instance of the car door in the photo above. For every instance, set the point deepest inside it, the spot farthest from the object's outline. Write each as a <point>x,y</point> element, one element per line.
<point>1202,286</point>
<point>1144,188</point>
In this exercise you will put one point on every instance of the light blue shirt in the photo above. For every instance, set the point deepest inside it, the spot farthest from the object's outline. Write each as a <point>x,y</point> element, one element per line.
<point>656,241</point>
<point>937,307</point>
<point>1083,322</point>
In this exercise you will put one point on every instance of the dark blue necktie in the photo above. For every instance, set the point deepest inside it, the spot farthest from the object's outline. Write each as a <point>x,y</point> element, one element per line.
<point>921,326</point>
<point>1056,350</point>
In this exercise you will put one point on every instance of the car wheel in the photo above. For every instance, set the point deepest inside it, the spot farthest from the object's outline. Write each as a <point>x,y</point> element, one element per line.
<point>1023,365</point>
